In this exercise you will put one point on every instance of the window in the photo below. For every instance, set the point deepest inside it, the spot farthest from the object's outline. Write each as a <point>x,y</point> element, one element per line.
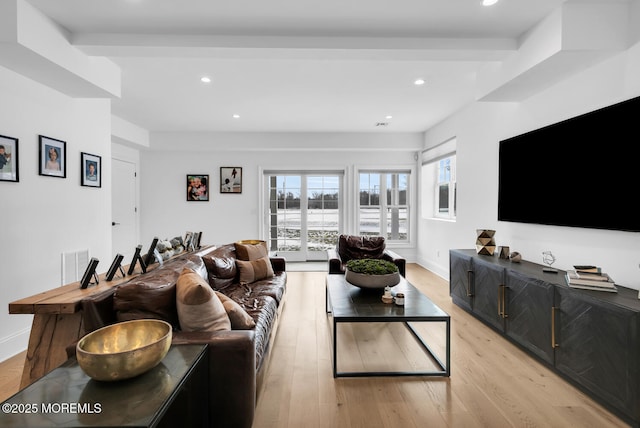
<point>439,187</point>
<point>384,204</point>
<point>446,188</point>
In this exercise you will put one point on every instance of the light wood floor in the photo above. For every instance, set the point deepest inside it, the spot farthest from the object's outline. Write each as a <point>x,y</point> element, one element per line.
<point>492,384</point>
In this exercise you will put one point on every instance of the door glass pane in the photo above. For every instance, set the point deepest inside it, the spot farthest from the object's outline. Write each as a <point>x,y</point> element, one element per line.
<point>285,213</point>
<point>322,212</point>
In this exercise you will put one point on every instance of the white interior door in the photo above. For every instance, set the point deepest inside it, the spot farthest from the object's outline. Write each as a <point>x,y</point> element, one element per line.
<point>124,213</point>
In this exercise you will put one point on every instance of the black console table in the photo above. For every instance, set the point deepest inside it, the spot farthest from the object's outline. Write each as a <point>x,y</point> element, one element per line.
<point>174,393</point>
<point>590,338</point>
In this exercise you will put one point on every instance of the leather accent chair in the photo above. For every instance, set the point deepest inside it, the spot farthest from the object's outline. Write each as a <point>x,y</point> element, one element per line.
<point>360,247</point>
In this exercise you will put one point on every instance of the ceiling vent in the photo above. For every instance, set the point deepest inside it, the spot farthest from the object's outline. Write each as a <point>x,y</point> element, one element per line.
<point>382,124</point>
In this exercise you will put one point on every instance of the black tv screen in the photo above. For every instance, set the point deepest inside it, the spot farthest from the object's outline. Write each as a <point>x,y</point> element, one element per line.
<point>582,172</point>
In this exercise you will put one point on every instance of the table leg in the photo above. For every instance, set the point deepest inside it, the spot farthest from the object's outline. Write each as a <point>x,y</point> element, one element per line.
<point>50,335</point>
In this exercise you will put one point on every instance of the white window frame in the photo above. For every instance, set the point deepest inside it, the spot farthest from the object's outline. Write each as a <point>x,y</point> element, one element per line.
<point>384,205</point>
<point>431,162</point>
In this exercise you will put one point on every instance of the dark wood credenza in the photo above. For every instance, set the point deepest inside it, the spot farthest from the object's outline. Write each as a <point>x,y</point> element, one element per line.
<point>590,338</point>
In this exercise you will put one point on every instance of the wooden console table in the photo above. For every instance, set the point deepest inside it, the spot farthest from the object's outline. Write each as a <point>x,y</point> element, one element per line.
<point>57,323</point>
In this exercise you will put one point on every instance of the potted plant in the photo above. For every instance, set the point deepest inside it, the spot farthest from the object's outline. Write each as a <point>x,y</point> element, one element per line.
<point>372,273</point>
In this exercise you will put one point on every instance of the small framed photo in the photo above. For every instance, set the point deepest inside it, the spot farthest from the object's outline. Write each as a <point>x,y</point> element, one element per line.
<point>90,170</point>
<point>231,179</point>
<point>53,157</point>
<point>9,159</point>
<point>197,187</point>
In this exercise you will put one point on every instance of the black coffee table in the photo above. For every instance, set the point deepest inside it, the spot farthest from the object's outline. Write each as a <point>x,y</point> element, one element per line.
<point>350,304</point>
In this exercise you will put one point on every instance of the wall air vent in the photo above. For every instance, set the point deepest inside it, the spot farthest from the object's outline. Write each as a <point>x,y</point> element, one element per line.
<point>382,124</point>
<point>73,265</point>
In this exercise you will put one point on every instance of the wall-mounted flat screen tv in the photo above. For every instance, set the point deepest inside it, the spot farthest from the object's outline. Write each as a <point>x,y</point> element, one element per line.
<point>582,172</point>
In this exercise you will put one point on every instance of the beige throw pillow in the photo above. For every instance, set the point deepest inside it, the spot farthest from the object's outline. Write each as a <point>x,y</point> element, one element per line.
<point>254,270</point>
<point>240,319</point>
<point>248,252</point>
<point>199,309</point>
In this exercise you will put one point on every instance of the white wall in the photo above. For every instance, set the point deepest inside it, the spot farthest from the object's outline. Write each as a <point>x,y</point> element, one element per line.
<point>42,217</point>
<point>230,217</point>
<point>479,128</point>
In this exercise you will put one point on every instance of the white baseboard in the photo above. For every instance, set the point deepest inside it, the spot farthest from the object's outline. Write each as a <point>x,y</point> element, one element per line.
<point>435,268</point>
<point>14,344</point>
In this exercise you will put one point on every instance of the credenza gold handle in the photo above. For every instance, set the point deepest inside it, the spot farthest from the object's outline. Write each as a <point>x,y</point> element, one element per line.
<point>502,312</point>
<point>504,302</point>
<point>553,327</point>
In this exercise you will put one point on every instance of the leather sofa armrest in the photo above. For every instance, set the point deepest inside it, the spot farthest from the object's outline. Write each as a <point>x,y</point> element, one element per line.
<point>279,264</point>
<point>335,261</point>
<point>232,374</point>
<point>397,260</point>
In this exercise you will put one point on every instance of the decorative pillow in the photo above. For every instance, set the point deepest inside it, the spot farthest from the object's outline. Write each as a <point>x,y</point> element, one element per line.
<point>141,298</point>
<point>240,319</point>
<point>254,270</point>
<point>249,252</point>
<point>199,309</point>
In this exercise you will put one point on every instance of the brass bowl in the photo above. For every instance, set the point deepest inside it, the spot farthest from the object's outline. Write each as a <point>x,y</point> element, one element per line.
<point>124,350</point>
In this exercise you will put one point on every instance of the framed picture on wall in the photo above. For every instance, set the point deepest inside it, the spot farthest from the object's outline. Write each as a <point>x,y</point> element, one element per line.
<point>90,170</point>
<point>197,187</point>
<point>9,159</point>
<point>231,179</point>
<point>53,157</point>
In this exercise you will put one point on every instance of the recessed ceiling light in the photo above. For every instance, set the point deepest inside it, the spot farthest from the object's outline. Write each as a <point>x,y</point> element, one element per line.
<point>205,79</point>
<point>236,116</point>
<point>489,2</point>
<point>388,117</point>
<point>419,82</point>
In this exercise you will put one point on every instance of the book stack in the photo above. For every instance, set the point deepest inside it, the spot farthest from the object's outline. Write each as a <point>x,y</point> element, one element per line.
<point>590,278</point>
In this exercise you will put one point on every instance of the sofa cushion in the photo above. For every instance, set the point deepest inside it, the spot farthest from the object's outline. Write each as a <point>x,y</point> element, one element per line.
<point>250,252</point>
<point>240,319</point>
<point>254,270</point>
<point>199,309</point>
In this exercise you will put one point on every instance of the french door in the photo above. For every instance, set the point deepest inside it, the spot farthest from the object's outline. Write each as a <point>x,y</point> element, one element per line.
<point>304,213</point>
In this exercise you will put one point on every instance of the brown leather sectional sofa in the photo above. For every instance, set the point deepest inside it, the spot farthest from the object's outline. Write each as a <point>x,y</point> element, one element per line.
<point>238,358</point>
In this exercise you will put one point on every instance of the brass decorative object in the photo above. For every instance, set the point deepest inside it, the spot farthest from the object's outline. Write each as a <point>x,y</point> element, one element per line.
<point>485,242</point>
<point>124,350</point>
<point>503,252</point>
